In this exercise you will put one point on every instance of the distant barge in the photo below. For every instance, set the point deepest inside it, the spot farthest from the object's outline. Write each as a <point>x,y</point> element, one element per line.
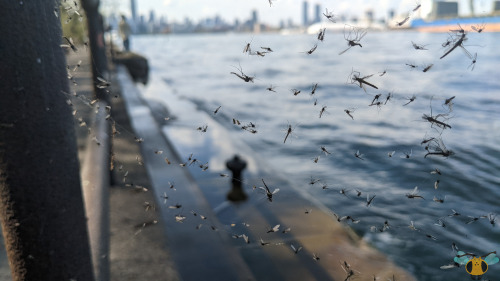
<point>488,23</point>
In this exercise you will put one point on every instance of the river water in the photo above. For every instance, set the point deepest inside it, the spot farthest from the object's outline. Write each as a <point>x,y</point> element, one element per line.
<point>197,68</point>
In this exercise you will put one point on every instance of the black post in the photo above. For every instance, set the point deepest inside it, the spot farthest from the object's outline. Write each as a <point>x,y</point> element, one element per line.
<point>97,46</point>
<point>236,166</point>
<point>41,205</point>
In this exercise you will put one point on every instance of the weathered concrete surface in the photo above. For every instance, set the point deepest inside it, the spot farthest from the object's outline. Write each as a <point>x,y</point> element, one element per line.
<point>136,253</point>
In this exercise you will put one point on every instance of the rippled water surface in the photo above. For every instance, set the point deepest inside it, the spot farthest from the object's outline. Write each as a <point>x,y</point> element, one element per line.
<point>197,68</point>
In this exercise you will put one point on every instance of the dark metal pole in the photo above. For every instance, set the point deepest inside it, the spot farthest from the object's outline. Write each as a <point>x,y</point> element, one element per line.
<point>97,46</point>
<point>97,162</point>
<point>41,205</point>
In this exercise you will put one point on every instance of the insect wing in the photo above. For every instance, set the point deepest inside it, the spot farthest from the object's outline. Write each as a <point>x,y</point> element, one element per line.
<point>491,259</point>
<point>344,50</point>
<point>415,191</point>
<point>448,266</point>
<point>276,228</point>
<point>275,191</point>
<point>461,258</point>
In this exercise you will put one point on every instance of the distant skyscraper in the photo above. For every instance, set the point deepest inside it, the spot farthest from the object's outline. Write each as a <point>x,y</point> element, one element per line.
<point>255,18</point>
<point>305,10</point>
<point>152,16</point>
<point>133,11</point>
<point>317,13</point>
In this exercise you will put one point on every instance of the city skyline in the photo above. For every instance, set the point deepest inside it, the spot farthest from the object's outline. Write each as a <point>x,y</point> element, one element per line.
<point>281,10</point>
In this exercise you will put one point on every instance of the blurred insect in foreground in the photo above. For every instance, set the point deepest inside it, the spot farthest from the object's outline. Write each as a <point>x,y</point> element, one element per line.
<point>269,194</point>
<point>321,34</point>
<point>375,98</point>
<point>295,91</point>
<point>70,44</point>
<point>407,155</point>
<point>348,270</point>
<point>458,41</point>
<point>438,200</point>
<point>436,184</point>
<point>492,218</point>
<point>353,37</point>
<point>403,21</point>
<point>369,200</point>
<point>414,194</point>
<point>202,129</point>
<point>103,84</point>
<point>478,28</point>
<point>411,65</point>
<point>274,229</point>
<point>323,149</point>
<point>217,110</point>
<point>267,49</point>
<point>418,47</point>
<point>417,7</point>
<point>295,250</point>
<point>428,67</point>
<point>438,148</point>
<point>323,110</point>
<point>312,49</point>
<point>289,130</point>
<point>454,213</point>
<point>271,88</point>
<point>434,120</point>
<point>449,102</point>
<point>77,65</point>
<point>313,89</point>
<point>243,76</point>
<point>473,62</point>
<point>348,112</point>
<point>359,155</point>
<point>247,48</point>
<point>476,266</point>
<point>329,15</point>
<point>355,78</point>
<point>410,99</point>
<point>389,97</point>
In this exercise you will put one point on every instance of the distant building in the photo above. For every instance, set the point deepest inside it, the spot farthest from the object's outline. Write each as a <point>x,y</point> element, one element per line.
<point>305,11</point>
<point>445,9</point>
<point>255,18</point>
<point>317,13</point>
<point>369,15</point>
<point>496,7</point>
<point>133,11</point>
<point>152,16</point>
<point>391,14</point>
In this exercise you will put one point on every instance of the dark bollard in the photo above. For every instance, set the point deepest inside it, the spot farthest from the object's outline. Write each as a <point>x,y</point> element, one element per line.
<point>236,165</point>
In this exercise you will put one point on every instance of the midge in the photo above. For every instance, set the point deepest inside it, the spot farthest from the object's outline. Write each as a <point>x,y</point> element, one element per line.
<point>353,37</point>
<point>268,192</point>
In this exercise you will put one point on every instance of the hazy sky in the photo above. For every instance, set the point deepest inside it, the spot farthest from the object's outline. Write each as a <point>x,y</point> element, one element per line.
<point>177,10</point>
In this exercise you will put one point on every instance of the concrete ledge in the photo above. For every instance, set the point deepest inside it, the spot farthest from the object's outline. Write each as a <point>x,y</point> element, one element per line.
<point>95,177</point>
<point>199,255</point>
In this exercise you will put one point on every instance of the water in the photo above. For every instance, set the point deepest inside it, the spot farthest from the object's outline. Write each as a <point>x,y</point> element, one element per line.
<point>197,68</point>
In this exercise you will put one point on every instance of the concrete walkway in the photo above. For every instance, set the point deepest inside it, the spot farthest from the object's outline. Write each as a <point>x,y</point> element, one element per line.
<point>138,249</point>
